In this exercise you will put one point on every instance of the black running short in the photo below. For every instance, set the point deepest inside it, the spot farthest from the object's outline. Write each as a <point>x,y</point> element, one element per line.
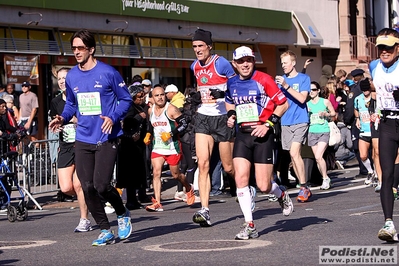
<point>66,155</point>
<point>254,149</point>
<point>216,126</point>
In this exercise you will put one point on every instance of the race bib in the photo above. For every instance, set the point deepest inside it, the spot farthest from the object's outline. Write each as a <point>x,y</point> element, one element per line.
<point>247,113</point>
<point>159,144</point>
<point>69,133</point>
<point>89,103</point>
<point>315,119</point>
<point>206,97</point>
<point>365,117</point>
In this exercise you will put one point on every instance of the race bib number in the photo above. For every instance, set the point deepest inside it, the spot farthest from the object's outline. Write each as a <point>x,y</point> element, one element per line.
<point>89,103</point>
<point>160,144</point>
<point>69,133</point>
<point>247,113</point>
<point>206,97</point>
<point>364,117</point>
<point>315,119</point>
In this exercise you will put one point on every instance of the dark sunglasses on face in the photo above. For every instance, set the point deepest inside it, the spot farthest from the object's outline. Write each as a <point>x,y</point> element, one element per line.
<point>80,48</point>
<point>314,89</point>
<point>385,47</point>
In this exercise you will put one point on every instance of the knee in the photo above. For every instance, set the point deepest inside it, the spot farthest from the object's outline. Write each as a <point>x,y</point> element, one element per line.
<point>294,155</point>
<point>67,189</point>
<point>363,158</point>
<point>203,164</point>
<point>265,188</point>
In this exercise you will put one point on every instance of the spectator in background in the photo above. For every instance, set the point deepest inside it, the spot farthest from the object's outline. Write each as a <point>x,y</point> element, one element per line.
<point>11,90</point>
<point>174,96</point>
<point>326,74</point>
<point>305,65</point>
<point>344,152</point>
<point>295,121</point>
<point>340,77</point>
<point>11,106</point>
<point>130,170</point>
<point>27,115</point>
<point>329,94</point>
<point>136,80</point>
<point>396,26</point>
<point>147,87</point>
<point>349,117</point>
<point>2,91</point>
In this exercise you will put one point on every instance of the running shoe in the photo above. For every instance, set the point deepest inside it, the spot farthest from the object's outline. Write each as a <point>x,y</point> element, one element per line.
<point>83,226</point>
<point>388,232</point>
<point>247,232</point>
<point>339,165</point>
<point>155,206</point>
<point>369,179</point>
<point>326,183</point>
<point>378,187</point>
<point>180,196</point>
<point>124,225</point>
<point>285,202</point>
<point>252,190</point>
<point>108,208</point>
<point>304,194</point>
<point>272,197</point>
<point>106,237</point>
<point>190,196</point>
<point>202,218</point>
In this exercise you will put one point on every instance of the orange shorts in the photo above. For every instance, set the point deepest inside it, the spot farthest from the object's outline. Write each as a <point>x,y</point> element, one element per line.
<point>172,159</point>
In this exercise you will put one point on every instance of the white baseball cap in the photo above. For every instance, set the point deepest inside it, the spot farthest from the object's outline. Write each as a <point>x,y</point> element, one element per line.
<point>242,51</point>
<point>146,82</point>
<point>171,88</point>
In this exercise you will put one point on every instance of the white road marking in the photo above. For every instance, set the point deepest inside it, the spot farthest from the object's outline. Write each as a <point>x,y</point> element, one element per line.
<point>248,244</point>
<point>30,244</point>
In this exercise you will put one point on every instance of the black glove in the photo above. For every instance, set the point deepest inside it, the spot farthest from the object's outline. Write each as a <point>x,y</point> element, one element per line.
<point>217,94</point>
<point>195,98</point>
<point>365,84</point>
<point>395,94</point>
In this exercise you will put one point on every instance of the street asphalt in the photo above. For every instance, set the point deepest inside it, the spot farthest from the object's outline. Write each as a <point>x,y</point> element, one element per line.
<point>349,214</point>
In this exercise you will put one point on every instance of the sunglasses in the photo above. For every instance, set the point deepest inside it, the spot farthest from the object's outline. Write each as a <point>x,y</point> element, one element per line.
<point>314,89</point>
<point>385,47</point>
<point>80,48</point>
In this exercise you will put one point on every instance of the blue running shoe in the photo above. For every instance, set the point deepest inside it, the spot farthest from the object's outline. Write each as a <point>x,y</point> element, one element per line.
<point>124,225</point>
<point>252,190</point>
<point>106,237</point>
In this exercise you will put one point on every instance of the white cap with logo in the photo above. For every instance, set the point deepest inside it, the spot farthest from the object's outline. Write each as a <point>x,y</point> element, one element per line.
<point>242,51</point>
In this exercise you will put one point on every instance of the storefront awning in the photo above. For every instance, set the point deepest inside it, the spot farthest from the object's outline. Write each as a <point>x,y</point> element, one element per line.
<point>307,29</point>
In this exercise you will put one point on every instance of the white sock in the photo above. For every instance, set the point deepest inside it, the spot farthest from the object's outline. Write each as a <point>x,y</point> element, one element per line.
<point>276,191</point>
<point>244,199</point>
<point>367,164</point>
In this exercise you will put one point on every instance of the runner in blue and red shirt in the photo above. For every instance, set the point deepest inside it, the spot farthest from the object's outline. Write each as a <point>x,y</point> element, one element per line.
<point>255,104</point>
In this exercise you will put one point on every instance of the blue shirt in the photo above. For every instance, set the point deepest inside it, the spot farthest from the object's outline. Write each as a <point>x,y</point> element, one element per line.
<point>297,112</point>
<point>114,96</point>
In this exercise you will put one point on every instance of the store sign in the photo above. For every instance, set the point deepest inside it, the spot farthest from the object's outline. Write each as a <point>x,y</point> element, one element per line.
<point>20,68</point>
<point>166,6</point>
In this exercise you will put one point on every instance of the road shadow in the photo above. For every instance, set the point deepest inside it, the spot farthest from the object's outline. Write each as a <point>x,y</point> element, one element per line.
<point>295,224</point>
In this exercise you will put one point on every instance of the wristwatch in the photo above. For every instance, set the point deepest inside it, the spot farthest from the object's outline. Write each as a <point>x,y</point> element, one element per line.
<point>267,124</point>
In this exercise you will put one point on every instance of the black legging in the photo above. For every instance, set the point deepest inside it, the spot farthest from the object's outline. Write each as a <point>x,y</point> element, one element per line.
<point>188,165</point>
<point>94,167</point>
<point>388,145</point>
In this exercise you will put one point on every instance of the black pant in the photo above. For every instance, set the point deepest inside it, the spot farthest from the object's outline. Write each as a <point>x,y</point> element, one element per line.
<point>94,167</point>
<point>187,166</point>
<point>388,145</point>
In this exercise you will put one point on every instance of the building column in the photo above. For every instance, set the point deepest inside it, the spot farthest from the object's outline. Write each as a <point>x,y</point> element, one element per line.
<point>344,36</point>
